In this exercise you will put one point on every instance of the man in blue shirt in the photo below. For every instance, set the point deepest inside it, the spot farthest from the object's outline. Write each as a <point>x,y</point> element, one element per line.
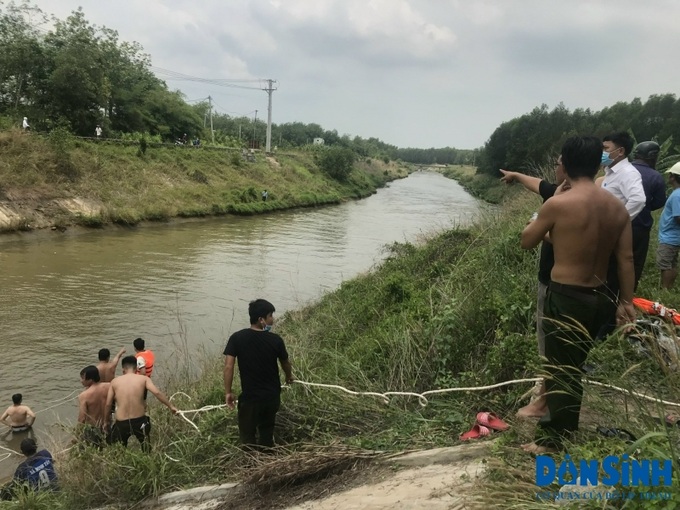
<point>669,232</point>
<point>644,160</point>
<point>36,472</point>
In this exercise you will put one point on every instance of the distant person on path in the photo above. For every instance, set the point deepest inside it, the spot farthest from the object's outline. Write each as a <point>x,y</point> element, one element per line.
<point>257,350</point>
<point>129,390</point>
<point>20,417</point>
<point>92,406</point>
<point>145,358</point>
<point>586,225</point>
<point>669,232</point>
<point>644,160</point>
<point>106,366</point>
<point>35,473</point>
<point>265,195</point>
<point>24,124</point>
<point>537,408</point>
<point>98,131</point>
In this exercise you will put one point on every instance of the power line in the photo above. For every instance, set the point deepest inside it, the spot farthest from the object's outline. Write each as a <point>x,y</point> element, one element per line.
<point>220,82</point>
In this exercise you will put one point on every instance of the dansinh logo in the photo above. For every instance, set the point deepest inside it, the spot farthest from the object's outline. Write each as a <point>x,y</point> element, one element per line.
<point>610,471</point>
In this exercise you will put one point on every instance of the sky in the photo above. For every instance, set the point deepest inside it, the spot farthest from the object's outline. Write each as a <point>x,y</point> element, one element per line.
<point>413,73</point>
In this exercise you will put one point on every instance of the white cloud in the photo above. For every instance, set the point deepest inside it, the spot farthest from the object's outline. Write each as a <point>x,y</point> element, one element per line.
<point>411,72</point>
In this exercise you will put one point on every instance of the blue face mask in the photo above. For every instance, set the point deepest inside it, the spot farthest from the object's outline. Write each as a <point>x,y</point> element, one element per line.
<point>606,160</point>
<point>267,328</point>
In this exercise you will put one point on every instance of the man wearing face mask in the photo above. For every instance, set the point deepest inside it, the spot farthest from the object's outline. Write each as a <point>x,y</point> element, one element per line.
<point>257,350</point>
<point>621,178</point>
<point>623,181</point>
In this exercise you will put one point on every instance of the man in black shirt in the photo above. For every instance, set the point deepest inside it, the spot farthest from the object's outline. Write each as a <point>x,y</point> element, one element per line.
<point>537,408</point>
<point>257,350</point>
<point>644,159</point>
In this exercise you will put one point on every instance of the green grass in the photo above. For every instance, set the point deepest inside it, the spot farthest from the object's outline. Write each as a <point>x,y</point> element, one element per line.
<point>457,310</point>
<point>166,182</point>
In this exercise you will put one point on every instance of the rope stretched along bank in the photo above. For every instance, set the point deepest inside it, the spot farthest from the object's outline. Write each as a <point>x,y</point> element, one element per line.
<point>422,399</point>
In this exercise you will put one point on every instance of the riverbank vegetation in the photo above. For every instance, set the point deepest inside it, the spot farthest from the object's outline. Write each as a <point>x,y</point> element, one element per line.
<point>454,311</point>
<point>60,180</point>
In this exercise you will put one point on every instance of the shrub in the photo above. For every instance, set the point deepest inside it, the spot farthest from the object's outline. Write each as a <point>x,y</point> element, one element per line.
<point>337,162</point>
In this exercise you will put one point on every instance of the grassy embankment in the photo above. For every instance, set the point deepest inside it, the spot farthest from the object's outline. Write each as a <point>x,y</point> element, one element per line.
<point>481,186</point>
<point>59,181</point>
<point>455,311</point>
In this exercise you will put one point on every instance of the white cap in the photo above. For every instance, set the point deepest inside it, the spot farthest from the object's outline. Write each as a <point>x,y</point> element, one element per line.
<point>675,169</point>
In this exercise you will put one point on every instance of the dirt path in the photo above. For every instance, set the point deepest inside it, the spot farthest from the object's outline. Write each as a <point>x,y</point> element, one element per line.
<point>432,479</point>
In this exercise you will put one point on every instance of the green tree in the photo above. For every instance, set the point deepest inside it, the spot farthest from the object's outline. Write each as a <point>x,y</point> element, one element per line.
<point>336,161</point>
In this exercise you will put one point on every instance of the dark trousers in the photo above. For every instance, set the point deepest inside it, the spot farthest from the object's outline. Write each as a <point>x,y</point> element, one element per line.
<point>139,427</point>
<point>257,418</point>
<point>640,248</point>
<point>572,318</point>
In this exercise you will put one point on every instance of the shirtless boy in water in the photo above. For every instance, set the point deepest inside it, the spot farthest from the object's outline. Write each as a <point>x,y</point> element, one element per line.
<point>128,390</point>
<point>107,366</point>
<point>92,406</point>
<point>586,226</point>
<point>21,418</point>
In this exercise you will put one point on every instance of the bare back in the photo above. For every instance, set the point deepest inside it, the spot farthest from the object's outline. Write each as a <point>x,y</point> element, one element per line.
<point>19,415</point>
<point>128,392</point>
<point>587,225</point>
<point>107,370</point>
<point>93,404</point>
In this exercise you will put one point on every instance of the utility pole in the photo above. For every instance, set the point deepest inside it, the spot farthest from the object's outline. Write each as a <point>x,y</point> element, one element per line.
<point>254,124</point>
<point>212,131</point>
<point>270,88</point>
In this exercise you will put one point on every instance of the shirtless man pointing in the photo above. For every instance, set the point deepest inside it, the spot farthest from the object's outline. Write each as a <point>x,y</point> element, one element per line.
<point>128,391</point>
<point>107,366</point>
<point>586,226</point>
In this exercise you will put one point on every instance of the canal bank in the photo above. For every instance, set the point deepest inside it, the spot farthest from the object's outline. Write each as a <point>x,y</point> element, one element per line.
<point>184,287</point>
<point>58,181</point>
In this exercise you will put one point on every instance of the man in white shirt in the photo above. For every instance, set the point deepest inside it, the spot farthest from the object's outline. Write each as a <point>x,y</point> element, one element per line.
<point>621,178</point>
<point>623,181</point>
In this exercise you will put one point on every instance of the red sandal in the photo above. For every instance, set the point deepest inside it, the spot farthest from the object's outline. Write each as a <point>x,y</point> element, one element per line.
<point>492,421</point>
<point>475,432</point>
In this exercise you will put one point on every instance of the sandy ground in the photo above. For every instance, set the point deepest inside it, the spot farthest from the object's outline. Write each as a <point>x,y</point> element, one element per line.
<point>432,479</point>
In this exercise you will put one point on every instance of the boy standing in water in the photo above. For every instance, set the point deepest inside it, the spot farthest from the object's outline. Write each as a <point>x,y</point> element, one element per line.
<point>21,418</point>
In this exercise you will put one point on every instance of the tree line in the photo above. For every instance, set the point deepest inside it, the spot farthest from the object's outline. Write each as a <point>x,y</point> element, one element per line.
<point>76,75</point>
<point>527,142</point>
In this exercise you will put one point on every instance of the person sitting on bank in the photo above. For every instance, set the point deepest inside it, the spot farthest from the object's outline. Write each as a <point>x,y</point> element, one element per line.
<point>265,195</point>
<point>36,473</point>
<point>20,417</point>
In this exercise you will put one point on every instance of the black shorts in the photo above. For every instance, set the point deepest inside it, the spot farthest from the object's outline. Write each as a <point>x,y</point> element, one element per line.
<point>139,427</point>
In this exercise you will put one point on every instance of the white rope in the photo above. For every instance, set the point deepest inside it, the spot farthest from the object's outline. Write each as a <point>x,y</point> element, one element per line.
<point>179,393</point>
<point>635,393</point>
<point>195,411</point>
<point>57,405</point>
<point>5,456</point>
<point>11,452</point>
<point>422,399</point>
